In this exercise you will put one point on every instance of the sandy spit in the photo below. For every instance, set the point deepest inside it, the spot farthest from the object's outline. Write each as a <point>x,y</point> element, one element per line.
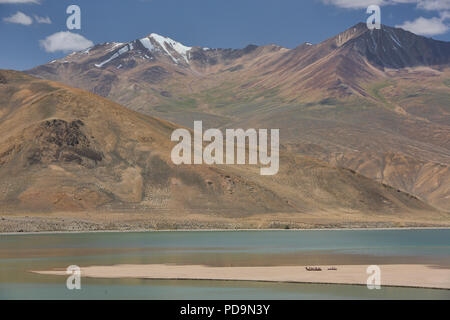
<point>416,275</point>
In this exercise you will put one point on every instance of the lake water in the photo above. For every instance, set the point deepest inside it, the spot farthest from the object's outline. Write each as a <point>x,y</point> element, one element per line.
<point>21,253</point>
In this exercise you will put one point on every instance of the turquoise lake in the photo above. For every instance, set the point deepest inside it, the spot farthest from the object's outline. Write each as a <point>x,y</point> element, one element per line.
<point>21,253</point>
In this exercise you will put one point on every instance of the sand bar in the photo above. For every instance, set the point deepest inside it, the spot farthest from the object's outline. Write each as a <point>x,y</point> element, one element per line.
<point>406,275</point>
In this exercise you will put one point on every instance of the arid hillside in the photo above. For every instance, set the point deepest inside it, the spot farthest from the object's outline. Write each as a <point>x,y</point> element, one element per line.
<point>68,150</point>
<point>376,102</point>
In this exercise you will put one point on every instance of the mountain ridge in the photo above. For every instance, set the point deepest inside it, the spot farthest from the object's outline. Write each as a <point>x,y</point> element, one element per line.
<point>68,150</point>
<point>344,96</point>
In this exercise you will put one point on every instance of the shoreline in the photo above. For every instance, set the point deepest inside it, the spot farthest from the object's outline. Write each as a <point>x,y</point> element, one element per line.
<point>83,222</point>
<point>220,230</point>
<point>296,282</point>
<point>392,275</point>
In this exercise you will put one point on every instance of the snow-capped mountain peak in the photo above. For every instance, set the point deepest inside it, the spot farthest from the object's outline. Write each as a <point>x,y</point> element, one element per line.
<point>148,47</point>
<point>165,42</point>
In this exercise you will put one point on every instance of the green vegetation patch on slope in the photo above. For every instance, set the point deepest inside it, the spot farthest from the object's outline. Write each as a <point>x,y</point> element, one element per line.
<point>447,82</point>
<point>376,91</point>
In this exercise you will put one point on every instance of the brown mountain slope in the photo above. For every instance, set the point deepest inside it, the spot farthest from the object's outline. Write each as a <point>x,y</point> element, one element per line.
<point>64,149</point>
<point>360,96</point>
<point>341,65</point>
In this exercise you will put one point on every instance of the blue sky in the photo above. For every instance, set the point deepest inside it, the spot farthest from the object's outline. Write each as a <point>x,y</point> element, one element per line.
<point>208,23</point>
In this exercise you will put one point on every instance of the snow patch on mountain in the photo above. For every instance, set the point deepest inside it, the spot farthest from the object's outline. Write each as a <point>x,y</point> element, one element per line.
<point>179,48</point>
<point>121,51</point>
<point>395,39</point>
<point>114,45</point>
<point>147,44</point>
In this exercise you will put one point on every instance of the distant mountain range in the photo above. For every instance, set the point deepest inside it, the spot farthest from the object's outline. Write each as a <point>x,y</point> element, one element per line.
<point>338,66</point>
<point>376,102</point>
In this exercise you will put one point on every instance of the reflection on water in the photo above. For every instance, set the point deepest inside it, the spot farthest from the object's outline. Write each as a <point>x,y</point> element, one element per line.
<point>208,290</point>
<point>21,253</point>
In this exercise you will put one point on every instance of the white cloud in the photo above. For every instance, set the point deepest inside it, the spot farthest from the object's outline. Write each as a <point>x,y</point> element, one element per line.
<point>426,27</point>
<point>354,4</point>
<point>65,41</point>
<point>20,18</point>
<point>19,1</point>
<point>431,5</point>
<point>434,5</point>
<point>42,19</point>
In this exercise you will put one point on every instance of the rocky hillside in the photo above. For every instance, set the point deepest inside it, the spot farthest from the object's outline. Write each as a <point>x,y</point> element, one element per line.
<point>64,149</point>
<point>376,102</point>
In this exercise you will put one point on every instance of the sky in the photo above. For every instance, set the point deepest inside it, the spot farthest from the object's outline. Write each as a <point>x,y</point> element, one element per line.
<point>34,32</point>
